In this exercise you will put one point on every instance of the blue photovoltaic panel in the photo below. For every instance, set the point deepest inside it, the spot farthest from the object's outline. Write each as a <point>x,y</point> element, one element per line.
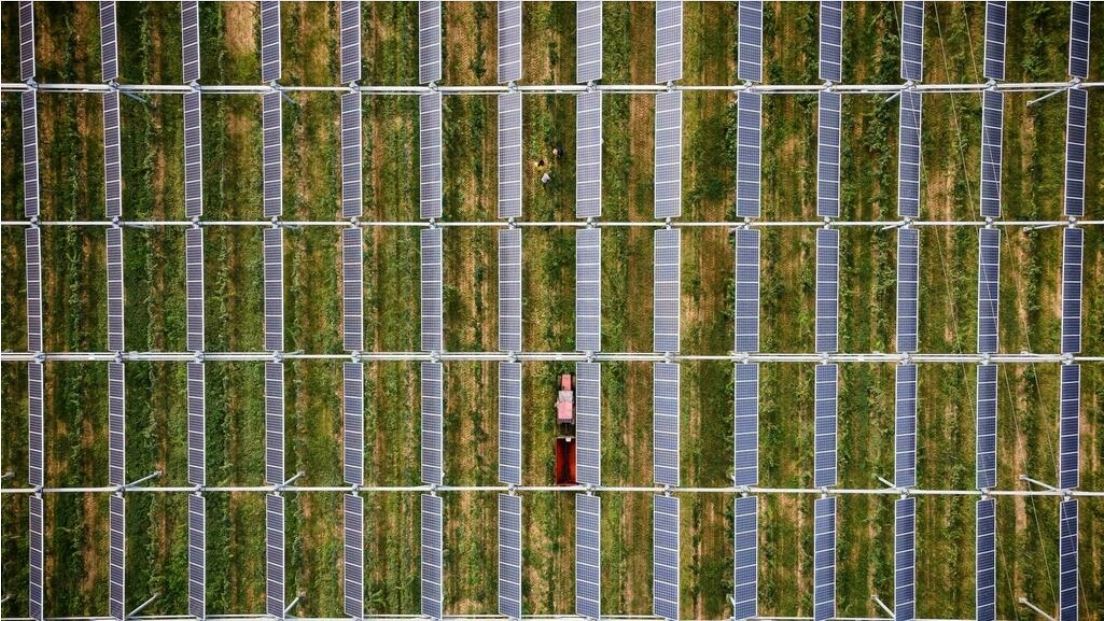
<point>746,424</point>
<point>113,174</point>
<point>1069,422</point>
<point>432,556</point>
<point>747,290</point>
<point>354,556</point>
<point>197,556</point>
<point>509,556</point>
<point>665,557</point>
<point>668,155</point>
<point>350,42</point>
<point>745,593</point>
<point>430,148</point>
<point>193,271</point>
<point>904,559</point>
<point>26,41</point>
<point>588,41</point>
<point>992,140</point>
<point>824,439</point>
<point>828,155</point>
<point>1079,39</point>
<point>509,290</point>
<point>908,289</point>
<point>988,290</point>
<point>189,33</point>
<point>36,434</point>
<point>509,155</point>
<point>667,290</point>
<point>509,423</point>
<point>433,426</point>
<point>193,155</point>
<point>905,427</point>
<point>274,423</point>
<point>912,41</point>
<point>827,291</point>
<point>270,43</point>
<point>1076,113</point>
<point>588,422</point>
<point>353,404</point>
<point>274,556</point>
<point>37,553</point>
<point>1073,241</point>
<point>588,163</point>
<point>1067,560</point>
<point>109,57</point>
<point>908,154</point>
<point>272,154</point>
<point>668,41</point>
<point>588,289</point>
<point>588,556</point>
<point>750,68</point>
<point>274,289</point>
<point>666,421</point>
<point>985,563</point>
<point>352,170</point>
<point>509,41</point>
<point>831,40</point>
<point>824,559</point>
<point>32,248</point>
<point>115,297</point>
<point>986,427</point>
<point>197,424</point>
<point>29,103</point>
<point>432,309</point>
<point>116,423</point>
<point>748,136</point>
<point>995,17</point>
<point>352,289</point>
<point>117,557</point>
<point>429,41</point>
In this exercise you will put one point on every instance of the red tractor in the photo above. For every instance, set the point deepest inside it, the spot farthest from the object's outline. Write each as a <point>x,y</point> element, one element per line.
<point>565,420</point>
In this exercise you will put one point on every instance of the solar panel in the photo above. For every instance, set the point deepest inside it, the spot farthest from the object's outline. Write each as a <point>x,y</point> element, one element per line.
<point>668,155</point>
<point>116,424</point>
<point>36,440</point>
<point>1079,39</point>
<point>274,556</point>
<point>350,45</point>
<point>189,32</point>
<point>988,289</point>
<point>26,41</point>
<point>1069,423</point>
<point>588,422</point>
<point>665,557</point>
<point>588,556</point>
<point>353,402</point>
<point>588,40</point>
<point>1073,241</point>
<point>746,425</point>
<point>274,423</point>
<point>112,156</point>
<point>824,558</point>
<point>352,288</point>
<point>29,104</point>
<point>352,182</point>
<point>668,41</point>
<point>509,290</point>
<point>109,59</point>
<point>831,40</point>
<point>116,592</point>
<point>429,41</point>
<point>115,289</point>
<point>750,68</point>
<point>666,404</point>
<point>828,155</point>
<point>995,16</point>
<point>197,424</point>
<point>273,153</point>
<point>197,556</point>
<point>985,563</point>
<point>432,556</point>
<point>430,149</point>
<point>745,593</point>
<point>1076,112</point>
<point>908,154</point>
<point>193,269</point>
<point>432,301</point>
<point>509,41</point>
<point>1067,560</point>
<point>270,43</point>
<point>905,431</point>
<point>747,290</point>
<point>826,393</point>
<point>32,247</point>
<point>433,429</point>
<point>37,560</point>
<point>904,559</point>
<point>827,291</point>
<point>992,129</point>
<point>509,556</point>
<point>274,288</point>
<point>588,289</point>
<point>908,289</point>
<point>354,556</point>
<point>912,41</point>
<point>509,155</point>
<point>193,155</point>
<point>667,289</point>
<point>986,426</point>
<point>588,162</point>
<point>509,422</point>
<point>749,109</point>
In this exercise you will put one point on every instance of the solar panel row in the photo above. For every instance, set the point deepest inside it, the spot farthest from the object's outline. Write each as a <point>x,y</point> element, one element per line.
<point>32,248</point>
<point>824,558</point>
<point>432,559</point>
<point>274,556</point>
<point>509,155</point>
<point>749,109</point>
<point>747,290</point>
<point>430,148</point>
<point>986,427</point>
<point>745,578</point>
<point>668,155</point>
<point>750,68</point>
<point>666,423</point>
<point>668,41</point>
<point>189,39</point>
<point>992,139</point>
<point>354,556</point>
<point>116,591</point>
<point>509,423</point>
<point>352,182</point>
<point>908,154</point>
<point>912,40</point>
<point>1079,39</point>
<point>1077,103</point>
<point>433,429</point>
<point>197,424</point>
<point>112,156</point>
<point>831,40</point>
<point>746,425</point>
<point>509,290</point>
<point>115,335</point>
<point>667,289</point>
<point>665,557</point>
<point>36,432</point>
<point>588,556</point>
<point>588,289</point>
<point>274,289</point>
<point>353,403</point>
<point>270,42</point>
<point>828,155</point>
<point>350,42</point>
<point>26,41</point>
<point>429,41</point>
<point>996,12</point>
<point>197,556</point>
<point>193,155</point>
<point>1069,423</point>
<point>908,289</point>
<point>905,427</point>
<point>509,41</point>
<point>193,271</point>
<point>273,153</point>
<point>904,559</point>
<point>109,57</point>
<point>1073,242</point>
<point>588,422</point>
<point>988,289</point>
<point>824,440</point>
<point>509,556</point>
<point>274,423</point>
<point>432,301</point>
<point>985,560</point>
<point>588,162</point>
<point>37,558</point>
<point>588,41</point>
<point>29,104</point>
<point>352,288</point>
<point>1067,560</point>
<point>827,290</point>
<point>116,424</point>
